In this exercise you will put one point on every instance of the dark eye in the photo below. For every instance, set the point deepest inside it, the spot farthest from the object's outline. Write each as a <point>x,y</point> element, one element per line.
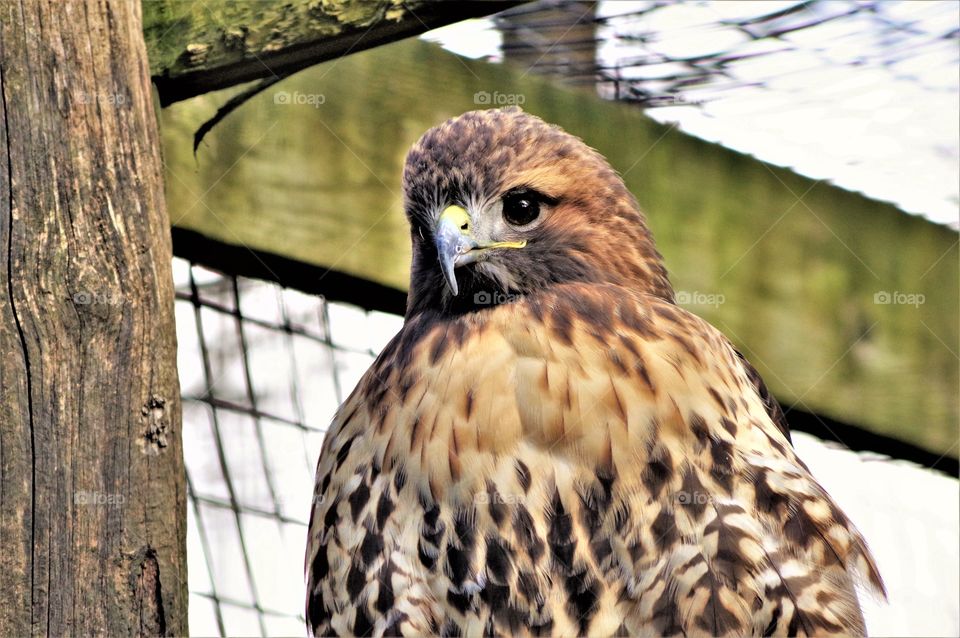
<point>521,207</point>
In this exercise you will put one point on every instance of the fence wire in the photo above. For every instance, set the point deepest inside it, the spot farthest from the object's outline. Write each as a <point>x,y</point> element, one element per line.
<point>656,53</point>
<point>864,94</point>
<point>262,371</point>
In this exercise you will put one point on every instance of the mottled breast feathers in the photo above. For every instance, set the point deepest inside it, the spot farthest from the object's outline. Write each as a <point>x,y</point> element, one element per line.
<point>588,460</point>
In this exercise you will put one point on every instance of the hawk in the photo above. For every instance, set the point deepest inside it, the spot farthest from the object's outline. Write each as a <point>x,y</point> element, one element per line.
<point>550,445</point>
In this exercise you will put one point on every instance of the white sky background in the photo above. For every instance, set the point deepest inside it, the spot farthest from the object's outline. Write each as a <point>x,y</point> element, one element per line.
<point>888,127</point>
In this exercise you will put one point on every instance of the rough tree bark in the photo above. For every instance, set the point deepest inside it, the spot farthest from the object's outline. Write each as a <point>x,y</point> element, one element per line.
<point>92,497</point>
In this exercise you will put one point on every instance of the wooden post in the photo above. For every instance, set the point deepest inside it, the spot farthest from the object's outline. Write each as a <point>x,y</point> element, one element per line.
<point>92,489</point>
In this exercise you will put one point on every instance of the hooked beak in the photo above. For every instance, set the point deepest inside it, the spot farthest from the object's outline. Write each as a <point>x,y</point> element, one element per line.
<point>456,245</point>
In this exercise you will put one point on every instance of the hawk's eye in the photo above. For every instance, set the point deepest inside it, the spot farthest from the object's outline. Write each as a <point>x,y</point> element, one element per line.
<point>521,207</point>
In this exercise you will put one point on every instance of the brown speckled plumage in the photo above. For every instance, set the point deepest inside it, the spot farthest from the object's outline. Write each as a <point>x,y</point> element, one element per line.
<point>586,458</point>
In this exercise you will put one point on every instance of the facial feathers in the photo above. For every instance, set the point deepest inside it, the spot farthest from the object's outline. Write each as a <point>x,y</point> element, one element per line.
<point>591,229</point>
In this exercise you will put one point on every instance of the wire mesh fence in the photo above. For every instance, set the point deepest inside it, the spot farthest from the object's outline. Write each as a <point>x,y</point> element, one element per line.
<point>862,93</point>
<point>262,371</point>
<point>660,54</point>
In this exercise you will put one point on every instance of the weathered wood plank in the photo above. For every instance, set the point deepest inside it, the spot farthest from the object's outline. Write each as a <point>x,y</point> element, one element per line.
<point>787,267</point>
<point>92,489</point>
<point>196,47</point>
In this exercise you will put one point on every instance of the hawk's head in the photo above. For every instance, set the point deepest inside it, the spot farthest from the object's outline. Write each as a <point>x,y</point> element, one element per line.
<point>503,204</point>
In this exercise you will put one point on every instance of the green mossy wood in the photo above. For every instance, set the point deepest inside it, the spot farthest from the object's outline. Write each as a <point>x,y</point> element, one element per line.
<point>197,47</point>
<point>787,267</point>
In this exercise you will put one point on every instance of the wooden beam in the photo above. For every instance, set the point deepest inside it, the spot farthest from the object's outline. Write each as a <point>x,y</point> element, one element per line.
<point>795,272</point>
<point>196,47</point>
<point>92,483</point>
